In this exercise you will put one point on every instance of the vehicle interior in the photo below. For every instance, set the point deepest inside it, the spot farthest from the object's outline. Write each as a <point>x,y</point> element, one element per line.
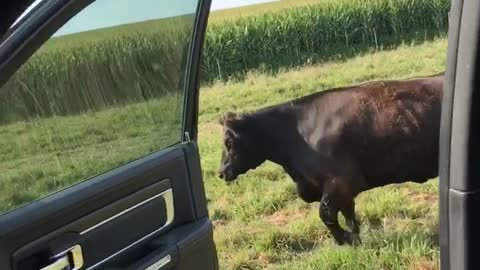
<point>150,210</point>
<point>136,199</point>
<point>458,147</point>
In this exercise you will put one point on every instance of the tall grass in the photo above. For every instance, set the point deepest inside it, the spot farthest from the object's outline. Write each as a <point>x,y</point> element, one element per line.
<point>317,32</point>
<point>117,68</point>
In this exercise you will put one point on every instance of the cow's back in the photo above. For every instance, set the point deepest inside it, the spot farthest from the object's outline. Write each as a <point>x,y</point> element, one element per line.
<point>395,137</point>
<point>389,129</point>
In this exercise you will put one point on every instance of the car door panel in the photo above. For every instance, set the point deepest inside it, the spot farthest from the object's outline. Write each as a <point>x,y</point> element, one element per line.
<point>185,247</point>
<point>150,213</point>
<point>446,122</point>
<point>459,186</point>
<point>192,157</point>
<point>159,181</point>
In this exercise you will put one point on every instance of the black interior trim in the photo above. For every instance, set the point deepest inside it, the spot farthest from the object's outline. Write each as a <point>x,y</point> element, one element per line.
<point>190,116</point>
<point>193,241</point>
<point>445,128</point>
<point>11,10</point>
<point>464,224</point>
<point>462,100</point>
<point>464,188</point>
<point>198,188</point>
<point>190,247</point>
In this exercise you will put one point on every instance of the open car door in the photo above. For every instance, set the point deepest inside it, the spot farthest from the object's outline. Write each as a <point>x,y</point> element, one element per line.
<point>460,141</point>
<point>98,122</point>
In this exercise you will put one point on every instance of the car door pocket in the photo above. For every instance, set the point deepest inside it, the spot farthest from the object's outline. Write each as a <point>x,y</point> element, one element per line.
<point>61,250</point>
<point>130,227</point>
<point>122,228</point>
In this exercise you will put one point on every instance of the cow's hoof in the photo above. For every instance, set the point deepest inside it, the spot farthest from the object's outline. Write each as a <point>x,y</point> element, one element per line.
<point>352,239</point>
<point>339,242</point>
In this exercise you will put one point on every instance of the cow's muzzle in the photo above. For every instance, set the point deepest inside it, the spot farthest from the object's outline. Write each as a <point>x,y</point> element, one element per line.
<point>227,174</point>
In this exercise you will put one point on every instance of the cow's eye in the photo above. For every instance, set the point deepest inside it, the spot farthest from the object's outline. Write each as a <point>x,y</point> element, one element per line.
<point>228,144</point>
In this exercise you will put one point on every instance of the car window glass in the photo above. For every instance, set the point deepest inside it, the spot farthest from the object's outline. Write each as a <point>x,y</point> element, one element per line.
<point>106,89</point>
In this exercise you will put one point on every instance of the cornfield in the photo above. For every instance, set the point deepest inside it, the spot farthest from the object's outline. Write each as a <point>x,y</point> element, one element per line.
<point>317,32</point>
<point>72,77</point>
<point>91,76</point>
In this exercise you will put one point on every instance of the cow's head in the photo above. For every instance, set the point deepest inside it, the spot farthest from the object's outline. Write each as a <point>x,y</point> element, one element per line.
<point>242,149</point>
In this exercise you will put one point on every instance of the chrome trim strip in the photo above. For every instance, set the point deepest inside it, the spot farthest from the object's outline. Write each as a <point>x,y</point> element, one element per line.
<point>167,195</point>
<point>160,263</point>
<point>60,264</point>
<point>66,258</point>
<point>170,207</point>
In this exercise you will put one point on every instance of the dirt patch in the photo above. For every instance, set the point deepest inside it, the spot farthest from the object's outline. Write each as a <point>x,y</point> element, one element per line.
<point>283,217</point>
<point>428,198</point>
<point>219,222</point>
<point>264,260</point>
<point>423,265</point>
<point>394,222</point>
<point>205,129</point>
<point>421,197</point>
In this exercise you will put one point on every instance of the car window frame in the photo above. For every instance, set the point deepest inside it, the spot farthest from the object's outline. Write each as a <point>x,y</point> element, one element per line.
<point>26,14</point>
<point>192,85</point>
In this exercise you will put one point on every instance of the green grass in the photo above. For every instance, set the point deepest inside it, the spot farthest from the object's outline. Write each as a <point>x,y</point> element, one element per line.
<point>42,156</point>
<point>259,222</point>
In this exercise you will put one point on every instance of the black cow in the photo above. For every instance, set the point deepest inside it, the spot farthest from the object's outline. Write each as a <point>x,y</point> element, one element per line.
<point>337,143</point>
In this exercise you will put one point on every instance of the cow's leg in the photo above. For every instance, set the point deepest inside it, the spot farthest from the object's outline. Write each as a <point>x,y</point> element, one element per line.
<point>329,209</point>
<point>307,193</point>
<point>329,215</point>
<point>348,211</point>
<point>337,197</point>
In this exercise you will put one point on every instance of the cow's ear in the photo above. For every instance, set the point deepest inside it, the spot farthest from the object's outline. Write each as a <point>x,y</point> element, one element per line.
<point>228,118</point>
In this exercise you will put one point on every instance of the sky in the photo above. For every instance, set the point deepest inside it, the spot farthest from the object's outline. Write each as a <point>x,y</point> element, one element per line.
<point>222,4</point>
<point>125,12</point>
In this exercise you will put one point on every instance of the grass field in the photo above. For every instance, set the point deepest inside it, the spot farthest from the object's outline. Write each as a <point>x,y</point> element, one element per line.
<point>42,156</point>
<point>260,222</point>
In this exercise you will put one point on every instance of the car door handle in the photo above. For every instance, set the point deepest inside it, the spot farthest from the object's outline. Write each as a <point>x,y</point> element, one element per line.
<point>60,264</point>
<point>71,259</point>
